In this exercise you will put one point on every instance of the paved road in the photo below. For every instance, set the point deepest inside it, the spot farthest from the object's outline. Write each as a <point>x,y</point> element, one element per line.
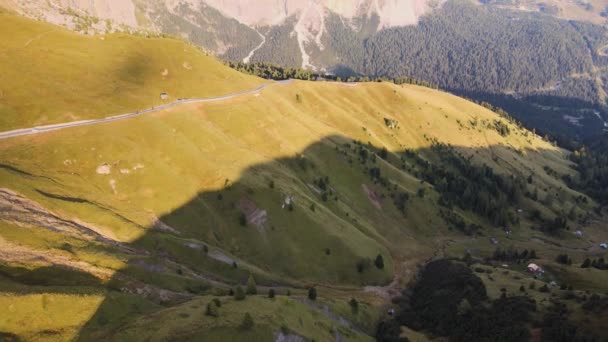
<point>55,127</point>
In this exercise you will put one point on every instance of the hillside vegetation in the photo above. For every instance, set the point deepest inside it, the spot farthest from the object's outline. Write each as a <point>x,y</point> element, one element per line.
<point>52,75</point>
<point>328,194</point>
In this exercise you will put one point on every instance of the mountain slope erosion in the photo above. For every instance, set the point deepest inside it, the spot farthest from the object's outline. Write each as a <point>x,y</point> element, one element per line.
<point>340,187</point>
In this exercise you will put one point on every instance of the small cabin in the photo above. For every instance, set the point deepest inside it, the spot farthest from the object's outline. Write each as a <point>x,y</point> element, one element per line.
<point>164,96</point>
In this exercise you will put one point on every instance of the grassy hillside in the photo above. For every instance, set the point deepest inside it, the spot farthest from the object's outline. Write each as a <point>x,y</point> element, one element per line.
<point>344,188</point>
<point>52,75</point>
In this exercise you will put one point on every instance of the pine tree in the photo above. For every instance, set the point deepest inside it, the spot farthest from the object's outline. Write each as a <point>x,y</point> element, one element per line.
<point>211,309</point>
<point>379,262</point>
<point>247,323</point>
<point>239,294</point>
<point>312,293</point>
<point>251,286</point>
<point>354,305</point>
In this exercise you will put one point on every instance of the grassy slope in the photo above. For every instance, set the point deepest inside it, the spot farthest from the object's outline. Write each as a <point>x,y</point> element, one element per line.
<point>52,75</point>
<point>190,155</point>
<point>188,322</point>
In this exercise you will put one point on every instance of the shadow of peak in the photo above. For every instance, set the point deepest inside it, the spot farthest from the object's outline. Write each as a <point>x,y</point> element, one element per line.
<point>341,214</point>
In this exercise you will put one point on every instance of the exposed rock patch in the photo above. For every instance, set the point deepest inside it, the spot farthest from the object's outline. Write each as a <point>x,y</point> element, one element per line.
<point>288,337</point>
<point>21,211</point>
<point>104,169</point>
<point>373,196</point>
<point>255,216</point>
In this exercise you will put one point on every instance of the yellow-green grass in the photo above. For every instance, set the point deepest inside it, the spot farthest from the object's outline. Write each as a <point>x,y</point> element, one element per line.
<point>55,316</point>
<point>190,154</point>
<point>51,75</point>
<point>189,167</point>
<point>364,316</point>
<point>189,322</point>
<point>94,253</point>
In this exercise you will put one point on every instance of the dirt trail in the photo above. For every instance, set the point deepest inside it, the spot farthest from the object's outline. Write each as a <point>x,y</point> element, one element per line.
<point>37,37</point>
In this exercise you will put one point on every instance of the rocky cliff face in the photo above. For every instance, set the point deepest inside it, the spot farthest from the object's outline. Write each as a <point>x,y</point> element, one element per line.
<point>225,27</point>
<point>272,12</point>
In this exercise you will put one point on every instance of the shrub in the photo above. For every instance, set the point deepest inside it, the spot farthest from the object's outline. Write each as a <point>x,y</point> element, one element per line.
<point>421,192</point>
<point>312,293</point>
<point>354,305</point>
<point>247,323</point>
<point>242,220</point>
<point>239,294</point>
<point>211,309</point>
<point>363,264</point>
<point>217,302</point>
<point>271,293</point>
<point>379,262</point>
<point>251,286</point>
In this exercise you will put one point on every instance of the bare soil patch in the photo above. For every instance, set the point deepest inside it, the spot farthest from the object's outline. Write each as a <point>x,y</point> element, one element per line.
<point>373,196</point>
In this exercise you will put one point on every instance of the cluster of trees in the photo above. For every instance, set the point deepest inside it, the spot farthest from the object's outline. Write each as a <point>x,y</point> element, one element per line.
<point>454,220</point>
<point>470,187</point>
<point>273,71</point>
<point>281,45</point>
<point>501,128</point>
<point>592,165</point>
<point>600,264</point>
<point>208,28</point>
<point>450,300</point>
<point>557,327</point>
<point>277,72</point>
<point>563,259</point>
<point>513,255</point>
<point>446,39</point>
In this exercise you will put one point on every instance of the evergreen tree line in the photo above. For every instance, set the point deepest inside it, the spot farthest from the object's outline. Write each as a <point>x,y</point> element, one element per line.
<point>600,264</point>
<point>592,166</point>
<point>276,72</point>
<point>470,187</point>
<point>513,255</point>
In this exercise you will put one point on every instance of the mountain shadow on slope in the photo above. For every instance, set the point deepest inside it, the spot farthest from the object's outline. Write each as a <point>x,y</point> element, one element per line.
<point>319,217</point>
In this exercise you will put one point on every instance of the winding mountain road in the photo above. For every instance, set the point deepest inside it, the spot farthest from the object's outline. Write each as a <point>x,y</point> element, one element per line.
<point>55,127</point>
